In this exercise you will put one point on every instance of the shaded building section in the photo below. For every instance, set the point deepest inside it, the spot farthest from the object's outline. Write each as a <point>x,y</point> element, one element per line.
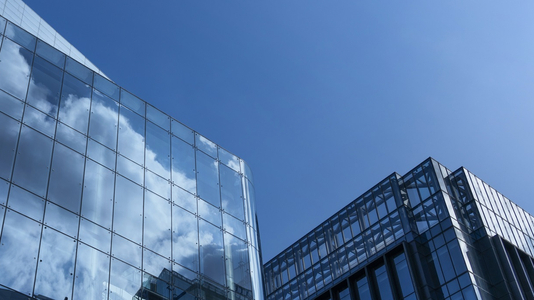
<point>430,234</point>
<point>103,196</point>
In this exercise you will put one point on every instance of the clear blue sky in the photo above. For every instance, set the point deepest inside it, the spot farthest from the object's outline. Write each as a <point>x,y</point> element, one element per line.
<point>324,99</point>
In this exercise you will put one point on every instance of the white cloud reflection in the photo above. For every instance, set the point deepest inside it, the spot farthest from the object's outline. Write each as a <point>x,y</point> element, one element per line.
<point>100,119</point>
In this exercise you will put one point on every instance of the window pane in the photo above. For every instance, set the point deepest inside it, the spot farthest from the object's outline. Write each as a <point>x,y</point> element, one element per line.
<point>71,138</point>
<point>133,102</point>
<point>11,106</point>
<point>101,154</point>
<point>125,280</point>
<point>56,265</point>
<point>403,275</point>
<point>156,116</point>
<point>158,150</point>
<point>157,225</point>
<point>231,192</point>
<point>92,274</point>
<point>79,70</point>
<point>18,252</point>
<point>210,213</point>
<point>20,36</point>
<point>39,121</point>
<point>181,131</point>
<point>211,252</point>
<point>95,236</point>
<point>61,220</point>
<point>183,165</point>
<point>50,53</point>
<point>97,203</point>
<point>15,66</point>
<point>75,103</point>
<point>32,167</point>
<point>206,145</point>
<point>130,170</point>
<point>45,84</point>
<point>234,226</point>
<point>26,203</point>
<point>106,86</point>
<point>128,211</point>
<point>184,238</point>
<point>237,265</point>
<point>125,250</point>
<point>208,179</point>
<point>132,136</point>
<point>104,119</point>
<point>184,199</point>
<point>8,140</point>
<point>66,178</point>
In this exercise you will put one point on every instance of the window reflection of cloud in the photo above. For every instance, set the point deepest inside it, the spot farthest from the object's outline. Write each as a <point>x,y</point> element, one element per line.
<point>14,69</point>
<point>185,238</point>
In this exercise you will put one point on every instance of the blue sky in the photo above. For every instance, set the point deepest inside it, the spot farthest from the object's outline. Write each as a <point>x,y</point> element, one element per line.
<point>323,99</point>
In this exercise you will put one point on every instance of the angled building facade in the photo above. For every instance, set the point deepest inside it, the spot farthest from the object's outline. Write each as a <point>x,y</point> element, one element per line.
<point>103,196</point>
<point>430,234</point>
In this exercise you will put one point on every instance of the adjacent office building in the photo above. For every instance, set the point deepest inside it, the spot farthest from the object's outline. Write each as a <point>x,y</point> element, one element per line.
<point>430,234</point>
<point>102,195</point>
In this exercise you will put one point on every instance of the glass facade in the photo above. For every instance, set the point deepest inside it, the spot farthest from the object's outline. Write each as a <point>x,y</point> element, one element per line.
<point>430,234</point>
<point>103,196</point>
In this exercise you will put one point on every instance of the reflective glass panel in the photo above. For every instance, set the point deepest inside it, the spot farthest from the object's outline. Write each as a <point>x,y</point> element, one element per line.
<point>95,236</point>
<point>181,131</point>
<point>104,120</point>
<point>363,288</point>
<point>10,105</point>
<point>20,36</point>
<point>15,66</point>
<point>26,203</point>
<point>231,192</point>
<point>50,53</point>
<point>208,179</point>
<point>229,159</point>
<point>130,170</point>
<point>39,121</point>
<point>56,265</point>
<point>61,220</point>
<point>2,25</point>
<point>97,202</point>
<point>75,103</point>
<point>45,85</point>
<point>184,199</point>
<point>183,165</point>
<point>206,145</point>
<point>403,275</point>
<point>237,264</point>
<point>106,86</point>
<point>8,140</point>
<point>101,154</point>
<point>210,213</point>
<point>156,116</point>
<point>158,150</point>
<point>158,185</point>
<point>211,252</point>
<point>79,70</point>
<point>157,225</point>
<point>132,136</point>
<point>184,238</point>
<point>128,211</point>
<point>125,281</point>
<point>156,287</point>
<point>65,186</point>
<point>71,138</point>
<point>234,226</point>
<point>18,252</point>
<point>32,167</point>
<point>132,102</point>
<point>92,273</point>
<point>125,250</point>
<point>4,187</point>
<point>155,264</point>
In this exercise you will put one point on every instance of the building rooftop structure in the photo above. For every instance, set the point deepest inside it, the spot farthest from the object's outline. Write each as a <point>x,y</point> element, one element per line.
<point>102,195</point>
<point>430,234</point>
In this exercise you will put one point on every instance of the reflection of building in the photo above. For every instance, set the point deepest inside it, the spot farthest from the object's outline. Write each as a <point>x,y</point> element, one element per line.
<point>100,191</point>
<point>430,234</point>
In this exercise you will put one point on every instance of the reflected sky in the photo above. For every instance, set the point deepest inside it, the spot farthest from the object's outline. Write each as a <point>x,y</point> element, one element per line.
<point>153,190</point>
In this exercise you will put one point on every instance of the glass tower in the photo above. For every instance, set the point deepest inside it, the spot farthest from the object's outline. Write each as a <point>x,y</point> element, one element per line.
<point>430,234</point>
<point>102,195</point>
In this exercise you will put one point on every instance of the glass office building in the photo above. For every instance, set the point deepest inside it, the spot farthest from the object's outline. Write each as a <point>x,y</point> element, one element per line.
<point>103,196</point>
<point>430,234</point>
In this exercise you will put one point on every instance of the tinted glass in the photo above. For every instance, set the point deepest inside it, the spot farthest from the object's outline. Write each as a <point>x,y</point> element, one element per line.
<point>184,199</point>
<point>157,225</point>
<point>20,36</point>
<point>104,120</point>
<point>183,165</point>
<point>209,213</point>
<point>75,103</point>
<point>71,138</point>
<point>181,131</point>
<point>128,210</point>
<point>130,170</point>
<point>97,202</point>
<point>184,238</point>
<point>101,154</point>
<point>15,66</point>
<point>125,279</point>
<point>51,54</point>
<point>45,85</point>
<point>95,236</point>
<point>132,136</point>
<point>237,265</point>
<point>8,140</point>
<point>32,167</point>
<point>107,87</point>
<point>18,252</point>
<point>79,70</point>
<point>61,220</point>
<point>159,118</point>
<point>158,185</point>
<point>56,265</point>
<point>132,102</point>
<point>125,250</point>
<point>39,121</point>
<point>11,106</point>
<point>65,187</point>
<point>231,192</point>
<point>26,203</point>
<point>211,252</point>
<point>158,150</point>
<point>92,273</point>
<point>206,145</point>
<point>207,179</point>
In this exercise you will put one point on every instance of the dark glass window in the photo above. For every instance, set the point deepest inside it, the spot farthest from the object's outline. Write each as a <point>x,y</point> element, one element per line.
<point>382,281</point>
